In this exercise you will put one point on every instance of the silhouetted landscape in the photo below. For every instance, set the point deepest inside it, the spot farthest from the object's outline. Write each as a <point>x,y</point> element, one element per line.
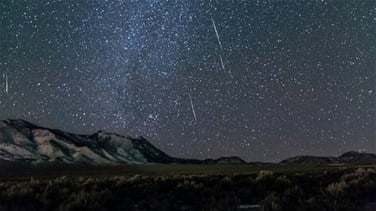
<point>48,169</point>
<point>27,144</point>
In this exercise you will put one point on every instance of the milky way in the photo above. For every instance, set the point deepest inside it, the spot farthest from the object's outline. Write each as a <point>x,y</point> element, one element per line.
<point>263,80</point>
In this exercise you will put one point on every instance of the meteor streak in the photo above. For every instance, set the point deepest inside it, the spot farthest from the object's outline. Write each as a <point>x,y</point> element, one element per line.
<point>219,43</point>
<point>192,107</point>
<point>6,84</point>
<point>217,34</point>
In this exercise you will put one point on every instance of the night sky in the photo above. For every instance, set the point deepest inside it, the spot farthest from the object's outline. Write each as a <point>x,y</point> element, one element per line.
<point>263,80</point>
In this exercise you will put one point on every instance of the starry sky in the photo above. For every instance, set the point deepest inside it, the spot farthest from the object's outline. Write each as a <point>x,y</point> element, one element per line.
<point>263,80</point>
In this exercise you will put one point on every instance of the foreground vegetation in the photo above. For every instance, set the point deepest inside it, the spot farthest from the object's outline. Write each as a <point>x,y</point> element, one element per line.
<point>345,189</point>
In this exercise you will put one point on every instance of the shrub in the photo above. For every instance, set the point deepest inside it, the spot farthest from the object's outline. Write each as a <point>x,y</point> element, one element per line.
<point>272,202</point>
<point>263,174</point>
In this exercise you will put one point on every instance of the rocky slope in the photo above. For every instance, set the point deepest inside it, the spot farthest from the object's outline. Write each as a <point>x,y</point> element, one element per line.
<point>26,143</point>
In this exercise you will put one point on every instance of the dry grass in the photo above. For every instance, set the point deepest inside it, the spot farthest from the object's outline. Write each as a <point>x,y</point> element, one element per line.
<point>346,189</point>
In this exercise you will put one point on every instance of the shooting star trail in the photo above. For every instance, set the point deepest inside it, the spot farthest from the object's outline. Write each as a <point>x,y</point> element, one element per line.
<point>6,84</point>
<point>220,45</point>
<point>192,107</point>
<point>223,65</point>
<point>216,33</point>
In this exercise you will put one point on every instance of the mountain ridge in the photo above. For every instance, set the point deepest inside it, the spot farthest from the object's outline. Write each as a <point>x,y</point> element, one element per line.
<point>26,143</point>
<point>350,157</point>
